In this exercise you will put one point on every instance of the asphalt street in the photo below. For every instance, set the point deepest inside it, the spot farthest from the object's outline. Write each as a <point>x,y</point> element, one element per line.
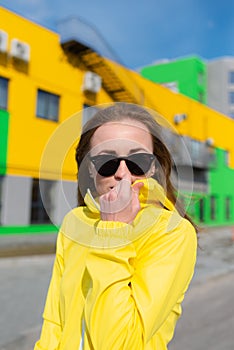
<point>208,316</point>
<point>208,312</point>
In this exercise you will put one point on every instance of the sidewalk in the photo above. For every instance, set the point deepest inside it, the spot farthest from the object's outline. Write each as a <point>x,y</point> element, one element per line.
<point>215,262</point>
<point>215,245</point>
<point>215,253</point>
<point>27,244</point>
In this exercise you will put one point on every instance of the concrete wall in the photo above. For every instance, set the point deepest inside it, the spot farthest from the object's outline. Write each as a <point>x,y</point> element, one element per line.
<point>16,200</point>
<point>64,198</point>
<point>218,85</point>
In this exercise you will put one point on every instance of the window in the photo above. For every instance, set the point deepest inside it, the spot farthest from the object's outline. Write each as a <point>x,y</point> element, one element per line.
<point>226,158</point>
<point>195,149</point>
<point>200,78</point>
<point>231,77</point>
<point>213,207</point>
<point>192,207</point>
<point>228,207</point>
<point>202,210</point>
<point>201,96</point>
<point>231,97</point>
<point>42,199</point>
<point>200,175</point>
<point>47,105</point>
<point>1,184</point>
<point>3,93</point>
<point>88,113</point>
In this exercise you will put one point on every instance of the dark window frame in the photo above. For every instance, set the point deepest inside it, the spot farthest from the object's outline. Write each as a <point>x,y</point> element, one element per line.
<point>39,214</point>
<point>201,96</point>
<point>213,207</point>
<point>231,77</point>
<point>1,190</point>
<point>231,97</point>
<point>231,114</point>
<point>201,78</point>
<point>47,101</point>
<point>88,112</point>
<point>4,105</point>
<point>202,209</point>
<point>228,208</point>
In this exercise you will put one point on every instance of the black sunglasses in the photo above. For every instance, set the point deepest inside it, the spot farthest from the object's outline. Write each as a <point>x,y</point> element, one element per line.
<point>138,163</point>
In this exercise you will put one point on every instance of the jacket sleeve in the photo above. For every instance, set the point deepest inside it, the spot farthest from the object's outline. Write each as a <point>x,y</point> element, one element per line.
<point>51,328</point>
<point>132,293</point>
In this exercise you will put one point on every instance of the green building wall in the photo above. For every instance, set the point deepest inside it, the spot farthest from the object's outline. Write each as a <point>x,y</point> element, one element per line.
<point>216,207</point>
<point>222,188</point>
<point>190,75</point>
<point>218,203</point>
<point>4,125</point>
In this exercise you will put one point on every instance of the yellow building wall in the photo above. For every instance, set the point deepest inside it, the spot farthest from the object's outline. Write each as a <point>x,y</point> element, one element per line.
<point>202,122</point>
<point>50,70</point>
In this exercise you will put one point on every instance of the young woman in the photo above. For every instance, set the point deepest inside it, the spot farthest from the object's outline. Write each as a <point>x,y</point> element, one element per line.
<point>125,256</point>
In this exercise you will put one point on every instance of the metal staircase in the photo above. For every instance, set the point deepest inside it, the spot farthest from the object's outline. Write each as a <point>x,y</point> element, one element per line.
<point>80,39</point>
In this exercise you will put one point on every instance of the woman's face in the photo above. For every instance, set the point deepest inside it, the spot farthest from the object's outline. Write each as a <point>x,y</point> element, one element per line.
<point>120,139</point>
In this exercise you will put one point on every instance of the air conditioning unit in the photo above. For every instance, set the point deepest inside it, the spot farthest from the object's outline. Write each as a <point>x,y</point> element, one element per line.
<point>172,85</point>
<point>92,82</point>
<point>3,41</point>
<point>20,50</point>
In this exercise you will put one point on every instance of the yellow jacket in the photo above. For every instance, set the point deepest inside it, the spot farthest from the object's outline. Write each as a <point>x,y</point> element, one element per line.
<point>117,286</point>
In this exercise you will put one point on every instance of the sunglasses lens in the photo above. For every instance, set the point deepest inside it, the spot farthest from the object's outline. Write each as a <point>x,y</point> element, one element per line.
<point>105,165</point>
<point>138,164</point>
<point>109,168</point>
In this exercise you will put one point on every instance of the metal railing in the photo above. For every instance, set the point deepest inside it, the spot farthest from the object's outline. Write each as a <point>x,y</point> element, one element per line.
<point>92,48</point>
<point>189,152</point>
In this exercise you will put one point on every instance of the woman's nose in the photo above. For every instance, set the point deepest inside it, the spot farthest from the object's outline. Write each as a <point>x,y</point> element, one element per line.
<point>122,170</point>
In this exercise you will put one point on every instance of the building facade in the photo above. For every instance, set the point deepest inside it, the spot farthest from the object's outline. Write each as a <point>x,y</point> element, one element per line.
<point>186,75</point>
<point>220,85</point>
<point>47,81</point>
<point>209,82</point>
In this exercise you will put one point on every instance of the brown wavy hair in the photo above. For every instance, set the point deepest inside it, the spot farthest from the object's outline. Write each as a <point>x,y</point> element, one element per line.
<point>125,111</point>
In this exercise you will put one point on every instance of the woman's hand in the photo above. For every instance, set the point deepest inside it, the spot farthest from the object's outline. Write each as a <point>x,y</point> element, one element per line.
<point>121,203</point>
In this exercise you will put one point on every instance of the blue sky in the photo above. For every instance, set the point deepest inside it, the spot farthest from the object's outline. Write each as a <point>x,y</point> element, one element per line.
<point>141,32</point>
